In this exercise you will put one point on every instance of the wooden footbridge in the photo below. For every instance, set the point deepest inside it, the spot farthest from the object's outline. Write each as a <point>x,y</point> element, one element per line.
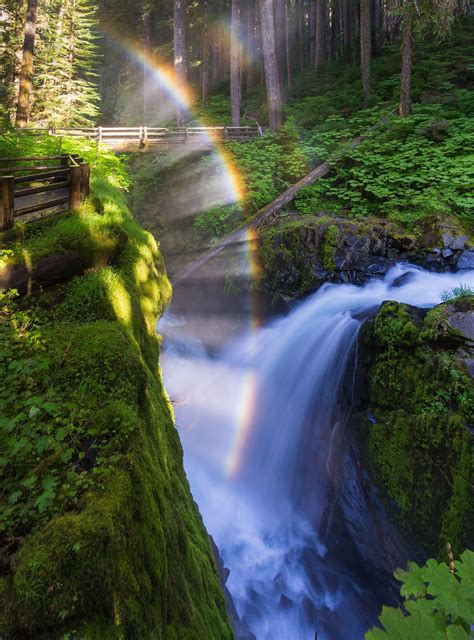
<point>144,138</point>
<point>36,184</point>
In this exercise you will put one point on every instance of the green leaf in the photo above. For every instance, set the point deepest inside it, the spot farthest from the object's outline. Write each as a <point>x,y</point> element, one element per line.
<point>413,582</point>
<point>399,627</point>
<point>456,632</point>
<point>34,411</point>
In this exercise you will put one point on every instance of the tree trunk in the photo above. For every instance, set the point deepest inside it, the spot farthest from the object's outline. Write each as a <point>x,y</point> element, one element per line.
<point>321,34</point>
<point>180,69</point>
<point>263,214</point>
<point>377,31</point>
<point>24,94</point>
<point>235,64</point>
<point>289,22</point>
<point>270,64</point>
<point>206,58</point>
<point>407,54</point>
<point>334,30</point>
<point>279,22</point>
<point>149,41</point>
<point>352,52</point>
<point>365,47</point>
<point>312,33</point>
<point>251,45</point>
<point>301,31</point>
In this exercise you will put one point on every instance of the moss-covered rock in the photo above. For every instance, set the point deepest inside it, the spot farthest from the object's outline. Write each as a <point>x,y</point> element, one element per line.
<point>100,535</point>
<point>300,253</point>
<point>418,423</point>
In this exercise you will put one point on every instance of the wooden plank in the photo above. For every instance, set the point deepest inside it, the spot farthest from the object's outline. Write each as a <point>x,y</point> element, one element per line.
<point>40,206</point>
<point>10,170</point>
<point>85,179</point>
<point>30,159</point>
<point>41,175</point>
<point>7,212</point>
<point>75,187</point>
<point>44,189</point>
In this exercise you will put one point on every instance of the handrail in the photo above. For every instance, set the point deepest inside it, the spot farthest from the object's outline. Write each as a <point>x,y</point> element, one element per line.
<point>152,135</point>
<point>72,176</point>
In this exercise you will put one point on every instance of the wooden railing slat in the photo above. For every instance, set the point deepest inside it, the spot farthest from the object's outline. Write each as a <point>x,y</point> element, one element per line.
<point>41,206</point>
<point>55,186</point>
<point>41,175</point>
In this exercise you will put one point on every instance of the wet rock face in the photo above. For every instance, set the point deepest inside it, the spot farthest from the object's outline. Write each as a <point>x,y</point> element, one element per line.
<point>416,416</point>
<point>303,252</point>
<point>466,259</point>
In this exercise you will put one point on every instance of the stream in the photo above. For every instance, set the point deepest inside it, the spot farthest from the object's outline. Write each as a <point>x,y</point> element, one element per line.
<point>263,419</point>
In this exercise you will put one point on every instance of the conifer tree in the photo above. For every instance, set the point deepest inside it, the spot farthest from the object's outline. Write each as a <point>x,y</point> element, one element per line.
<point>66,91</point>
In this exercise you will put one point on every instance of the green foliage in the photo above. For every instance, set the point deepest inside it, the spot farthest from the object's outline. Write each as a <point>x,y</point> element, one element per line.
<point>66,59</point>
<point>420,449</point>
<point>457,293</point>
<point>409,170</point>
<point>65,86</point>
<point>437,605</point>
<point>101,537</point>
<point>218,221</point>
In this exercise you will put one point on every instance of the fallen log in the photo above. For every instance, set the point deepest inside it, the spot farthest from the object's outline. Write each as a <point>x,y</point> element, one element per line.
<point>264,213</point>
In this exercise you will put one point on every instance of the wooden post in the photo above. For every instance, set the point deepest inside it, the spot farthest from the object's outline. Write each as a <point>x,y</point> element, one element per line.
<point>100,134</point>
<point>75,187</point>
<point>85,179</point>
<point>7,212</point>
<point>145,135</point>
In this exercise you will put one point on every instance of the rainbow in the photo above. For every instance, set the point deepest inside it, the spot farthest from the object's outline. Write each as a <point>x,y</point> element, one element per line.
<point>249,395</point>
<point>182,97</point>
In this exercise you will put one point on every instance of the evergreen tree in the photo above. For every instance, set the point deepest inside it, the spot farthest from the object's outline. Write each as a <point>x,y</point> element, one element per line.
<point>422,15</point>
<point>66,91</point>
<point>12,17</point>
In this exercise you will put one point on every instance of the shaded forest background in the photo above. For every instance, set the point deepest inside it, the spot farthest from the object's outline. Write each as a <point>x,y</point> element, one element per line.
<point>77,62</point>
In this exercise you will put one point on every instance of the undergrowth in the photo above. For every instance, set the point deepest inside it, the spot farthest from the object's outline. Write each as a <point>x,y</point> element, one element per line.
<point>410,170</point>
<point>100,537</point>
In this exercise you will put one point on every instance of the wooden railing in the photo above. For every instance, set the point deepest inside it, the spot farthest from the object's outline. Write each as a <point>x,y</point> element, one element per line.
<point>156,135</point>
<point>34,184</point>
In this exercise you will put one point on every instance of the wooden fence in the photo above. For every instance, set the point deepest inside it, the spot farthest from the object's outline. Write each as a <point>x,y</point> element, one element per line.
<point>156,135</point>
<point>34,184</point>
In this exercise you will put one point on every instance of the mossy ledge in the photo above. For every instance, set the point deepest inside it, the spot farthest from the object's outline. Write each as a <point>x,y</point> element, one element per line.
<point>302,252</point>
<point>417,426</point>
<point>100,535</point>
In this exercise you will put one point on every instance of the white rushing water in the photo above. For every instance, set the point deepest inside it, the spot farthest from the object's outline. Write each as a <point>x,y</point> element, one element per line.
<point>261,424</point>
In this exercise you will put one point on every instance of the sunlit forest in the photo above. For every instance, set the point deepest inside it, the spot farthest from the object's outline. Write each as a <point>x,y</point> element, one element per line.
<point>236,319</point>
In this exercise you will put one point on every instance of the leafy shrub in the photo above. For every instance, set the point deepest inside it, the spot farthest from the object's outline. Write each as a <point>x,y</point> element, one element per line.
<point>218,221</point>
<point>437,605</point>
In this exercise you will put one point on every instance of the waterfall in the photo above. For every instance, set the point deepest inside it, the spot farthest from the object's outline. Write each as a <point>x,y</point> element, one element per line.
<point>262,425</point>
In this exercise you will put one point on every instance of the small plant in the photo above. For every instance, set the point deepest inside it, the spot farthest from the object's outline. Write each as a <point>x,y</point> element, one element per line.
<point>438,602</point>
<point>457,293</point>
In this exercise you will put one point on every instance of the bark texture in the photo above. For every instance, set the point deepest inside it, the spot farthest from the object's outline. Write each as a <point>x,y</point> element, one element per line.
<point>270,65</point>
<point>321,34</point>
<point>24,95</point>
<point>365,47</point>
<point>235,64</point>
<point>407,56</point>
<point>180,66</point>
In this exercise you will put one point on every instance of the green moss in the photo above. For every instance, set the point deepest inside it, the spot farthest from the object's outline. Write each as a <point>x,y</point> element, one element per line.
<point>103,538</point>
<point>329,246</point>
<point>420,449</point>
